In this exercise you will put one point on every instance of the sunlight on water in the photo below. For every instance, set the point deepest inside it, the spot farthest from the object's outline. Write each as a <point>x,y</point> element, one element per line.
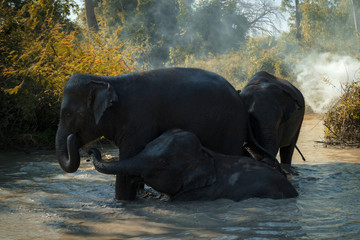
<point>40,201</point>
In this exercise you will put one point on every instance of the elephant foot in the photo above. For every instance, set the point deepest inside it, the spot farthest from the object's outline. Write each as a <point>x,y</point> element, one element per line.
<point>274,164</point>
<point>125,188</point>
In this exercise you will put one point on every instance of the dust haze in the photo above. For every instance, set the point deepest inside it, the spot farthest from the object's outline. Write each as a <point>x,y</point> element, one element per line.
<point>322,77</point>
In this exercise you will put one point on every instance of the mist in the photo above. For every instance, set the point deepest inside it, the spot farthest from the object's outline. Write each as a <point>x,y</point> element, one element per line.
<point>187,33</point>
<point>322,76</point>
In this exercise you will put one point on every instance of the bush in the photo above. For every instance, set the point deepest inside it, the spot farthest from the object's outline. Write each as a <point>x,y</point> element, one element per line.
<point>227,65</point>
<point>342,122</point>
<point>238,66</point>
<point>34,73</point>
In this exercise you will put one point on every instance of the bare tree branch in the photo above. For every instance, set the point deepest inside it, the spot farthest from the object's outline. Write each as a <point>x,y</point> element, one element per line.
<point>262,15</point>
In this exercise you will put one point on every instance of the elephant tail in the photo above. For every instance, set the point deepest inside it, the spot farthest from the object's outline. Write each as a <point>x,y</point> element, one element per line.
<point>302,156</point>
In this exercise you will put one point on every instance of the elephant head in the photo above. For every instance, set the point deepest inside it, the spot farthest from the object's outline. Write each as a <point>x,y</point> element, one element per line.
<point>172,162</point>
<point>85,101</point>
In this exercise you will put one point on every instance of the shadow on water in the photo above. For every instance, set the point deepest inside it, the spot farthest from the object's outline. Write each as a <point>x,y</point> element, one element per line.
<point>39,201</point>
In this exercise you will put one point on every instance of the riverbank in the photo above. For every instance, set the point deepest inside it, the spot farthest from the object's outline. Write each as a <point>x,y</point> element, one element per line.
<point>312,131</point>
<point>311,143</point>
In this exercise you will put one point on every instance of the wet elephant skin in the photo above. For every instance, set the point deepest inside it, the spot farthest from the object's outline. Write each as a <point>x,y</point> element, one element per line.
<point>133,109</point>
<point>276,111</point>
<point>177,164</point>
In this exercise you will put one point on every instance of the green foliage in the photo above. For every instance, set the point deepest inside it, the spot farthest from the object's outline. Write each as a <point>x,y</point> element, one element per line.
<point>342,122</point>
<point>45,52</point>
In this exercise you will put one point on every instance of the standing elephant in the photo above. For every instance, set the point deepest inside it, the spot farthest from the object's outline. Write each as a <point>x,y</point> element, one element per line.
<point>177,164</point>
<point>276,111</point>
<point>133,109</point>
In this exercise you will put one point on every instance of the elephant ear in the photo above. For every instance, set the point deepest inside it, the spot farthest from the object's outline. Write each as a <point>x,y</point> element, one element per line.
<point>292,91</point>
<point>101,97</point>
<point>202,174</point>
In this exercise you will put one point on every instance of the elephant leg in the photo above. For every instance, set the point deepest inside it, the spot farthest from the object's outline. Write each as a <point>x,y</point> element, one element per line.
<point>287,152</point>
<point>125,188</point>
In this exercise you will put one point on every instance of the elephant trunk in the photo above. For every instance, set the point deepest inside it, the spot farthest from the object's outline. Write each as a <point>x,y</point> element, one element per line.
<point>129,166</point>
<point>263,149</point>
<point>67,151</point>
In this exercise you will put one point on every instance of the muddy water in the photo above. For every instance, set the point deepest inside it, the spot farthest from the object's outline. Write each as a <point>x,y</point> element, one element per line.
<point>39,201</point>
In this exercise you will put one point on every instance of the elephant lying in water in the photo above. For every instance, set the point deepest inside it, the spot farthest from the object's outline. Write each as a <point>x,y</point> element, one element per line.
<point>177,164</point>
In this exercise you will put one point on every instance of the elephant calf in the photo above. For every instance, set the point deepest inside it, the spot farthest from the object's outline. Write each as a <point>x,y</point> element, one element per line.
<point>177,164</point>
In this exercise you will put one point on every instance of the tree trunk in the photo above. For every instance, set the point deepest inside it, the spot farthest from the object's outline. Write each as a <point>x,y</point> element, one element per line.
<point>297,20</point>
<point>356,5</point>
<point>91,21</point>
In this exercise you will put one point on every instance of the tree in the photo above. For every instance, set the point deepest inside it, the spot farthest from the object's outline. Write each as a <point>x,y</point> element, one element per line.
<point>180,27</point>
<point>39,50</point>
<point>24,98</point>
<point>262,16</point>
<point>143,21</point>
<point>356,7</point>
<point>324,25</point>
<point>328,26</point>
<point>297,19</point>
<point>218,25</point>
<point>91,21</point>
<point>292,6</point>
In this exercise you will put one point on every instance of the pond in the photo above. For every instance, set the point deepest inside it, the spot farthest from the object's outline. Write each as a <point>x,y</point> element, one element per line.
<point>40,201</point>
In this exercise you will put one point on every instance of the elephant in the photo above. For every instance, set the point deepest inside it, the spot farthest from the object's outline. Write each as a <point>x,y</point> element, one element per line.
<point>133,109</point>
<point>178,165</point>
<point>276,110</point>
